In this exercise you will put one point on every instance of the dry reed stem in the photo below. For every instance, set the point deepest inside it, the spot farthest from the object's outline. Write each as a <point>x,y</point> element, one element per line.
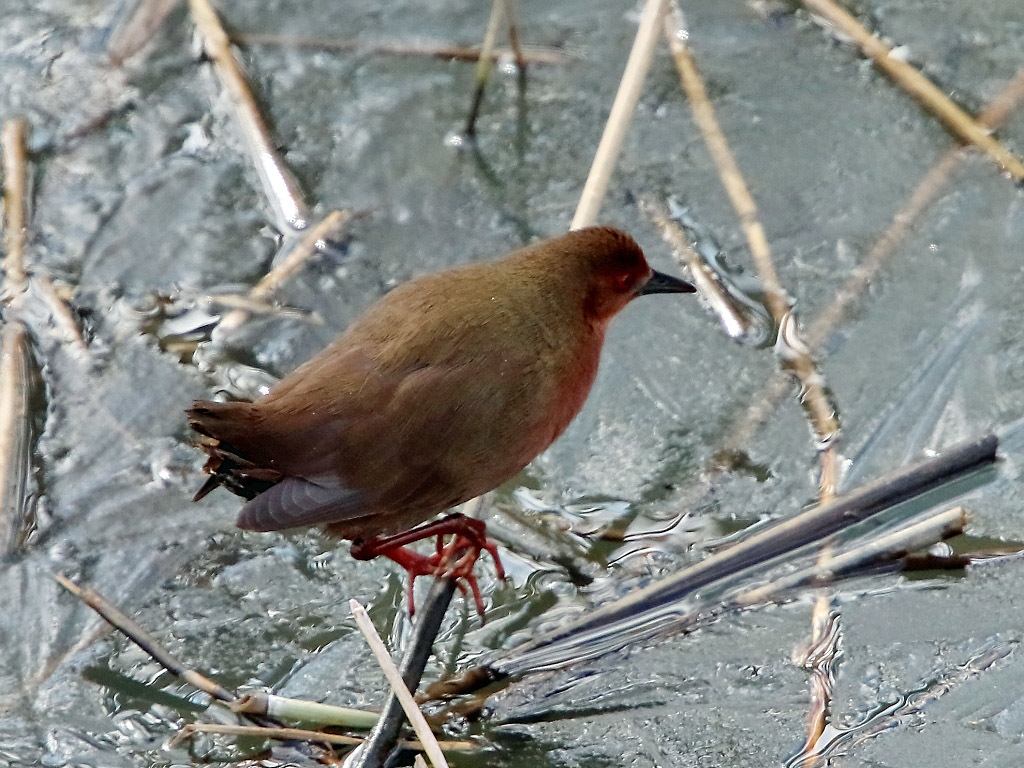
<point>513,35</point>
<point>621,114</point>
<point>136,30</point>
<point>484,64</point>
<point>14,140</point>
<point>734,322</point>
<point>289,265</point>
<point>394,678</point>
<point>302,734</point>
<point>281,188</point>
<point>825,324</point>
<point>917,85</point>
<point>531,54</point>
<point>14,435</point>
<point>14,395</point>
<point>798,357</point>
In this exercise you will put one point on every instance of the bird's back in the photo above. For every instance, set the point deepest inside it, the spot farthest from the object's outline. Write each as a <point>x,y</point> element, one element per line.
<point>444,389</point>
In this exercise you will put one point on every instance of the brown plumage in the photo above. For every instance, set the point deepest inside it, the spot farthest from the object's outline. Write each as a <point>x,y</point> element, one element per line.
<point>445,388</point>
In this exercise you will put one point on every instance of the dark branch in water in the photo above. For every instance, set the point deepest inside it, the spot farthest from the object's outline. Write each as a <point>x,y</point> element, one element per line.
<point>658,607</point>
<point>384,737</point>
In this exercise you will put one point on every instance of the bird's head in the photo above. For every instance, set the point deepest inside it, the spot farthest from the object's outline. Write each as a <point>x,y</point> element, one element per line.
<point>615,271</point>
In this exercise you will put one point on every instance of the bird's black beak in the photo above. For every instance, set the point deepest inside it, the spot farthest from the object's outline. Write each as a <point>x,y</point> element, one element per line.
<point>659,282</point>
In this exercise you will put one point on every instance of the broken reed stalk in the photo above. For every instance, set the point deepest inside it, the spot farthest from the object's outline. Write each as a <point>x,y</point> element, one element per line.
<point>648,611</point>
<point>302,734</point>
<point>287,268</point>
<point>136,25</point>
<point>734,321</point>
<point>14,140</point>
<point>532,55</point>
<point>620,116</point>
<point>283,707</point>
<point>384,735</point>
<point>822,327</point>
<point>796,356</point>
<point>917,85</point>
<point>279,185</point>
<point>398,686</point>
<point>484,65</point>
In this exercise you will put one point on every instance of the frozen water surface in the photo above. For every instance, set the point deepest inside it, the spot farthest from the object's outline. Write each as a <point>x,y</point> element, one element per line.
<point>143,193</point>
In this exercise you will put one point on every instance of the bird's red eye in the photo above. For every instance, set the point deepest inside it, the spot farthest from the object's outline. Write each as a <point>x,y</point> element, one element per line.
<point>624,281</point>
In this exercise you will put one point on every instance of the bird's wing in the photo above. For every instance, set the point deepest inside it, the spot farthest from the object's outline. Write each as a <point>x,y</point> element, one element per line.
<point>296,502</point>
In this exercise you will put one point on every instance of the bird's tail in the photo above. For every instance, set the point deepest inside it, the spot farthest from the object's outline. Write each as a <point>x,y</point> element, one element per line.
<point>221,426</point>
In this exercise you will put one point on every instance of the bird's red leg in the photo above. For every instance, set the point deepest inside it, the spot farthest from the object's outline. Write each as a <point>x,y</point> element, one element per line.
<point>455,560</point>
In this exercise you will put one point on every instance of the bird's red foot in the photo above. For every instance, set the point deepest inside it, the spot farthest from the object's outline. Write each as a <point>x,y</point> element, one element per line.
<point>455,559</point>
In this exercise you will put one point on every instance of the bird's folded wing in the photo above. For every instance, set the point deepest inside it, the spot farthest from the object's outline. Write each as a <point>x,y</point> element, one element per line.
<point>296,502</point>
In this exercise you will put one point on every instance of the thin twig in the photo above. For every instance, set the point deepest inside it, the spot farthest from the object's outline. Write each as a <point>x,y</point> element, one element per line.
<point>620,116</point>
<point>116,618</point>
<point>302,734</point>
<point>920,87</point>
<point>513,36</point>
<point>60,311</point>
<point>531,54</point>
<point>279,185</point>
<point>387,665</point>
<point>287,268</point>
<point>484,64</point>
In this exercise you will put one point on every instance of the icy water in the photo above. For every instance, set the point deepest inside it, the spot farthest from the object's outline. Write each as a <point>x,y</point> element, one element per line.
<point>144,198</point>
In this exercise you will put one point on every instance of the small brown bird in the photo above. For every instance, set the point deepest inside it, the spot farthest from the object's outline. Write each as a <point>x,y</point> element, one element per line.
<point>445,388</point>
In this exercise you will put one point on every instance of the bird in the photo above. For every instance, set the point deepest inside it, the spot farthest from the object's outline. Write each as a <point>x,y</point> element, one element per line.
<point>445,388</point>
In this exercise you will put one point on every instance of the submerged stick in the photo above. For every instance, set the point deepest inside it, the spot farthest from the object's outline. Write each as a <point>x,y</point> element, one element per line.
<point>384,736</point>
<point>620,116</point>
<point>398,686</point>
<point>279,185</point>
<point>920,87</point>
<point>531,54</point>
